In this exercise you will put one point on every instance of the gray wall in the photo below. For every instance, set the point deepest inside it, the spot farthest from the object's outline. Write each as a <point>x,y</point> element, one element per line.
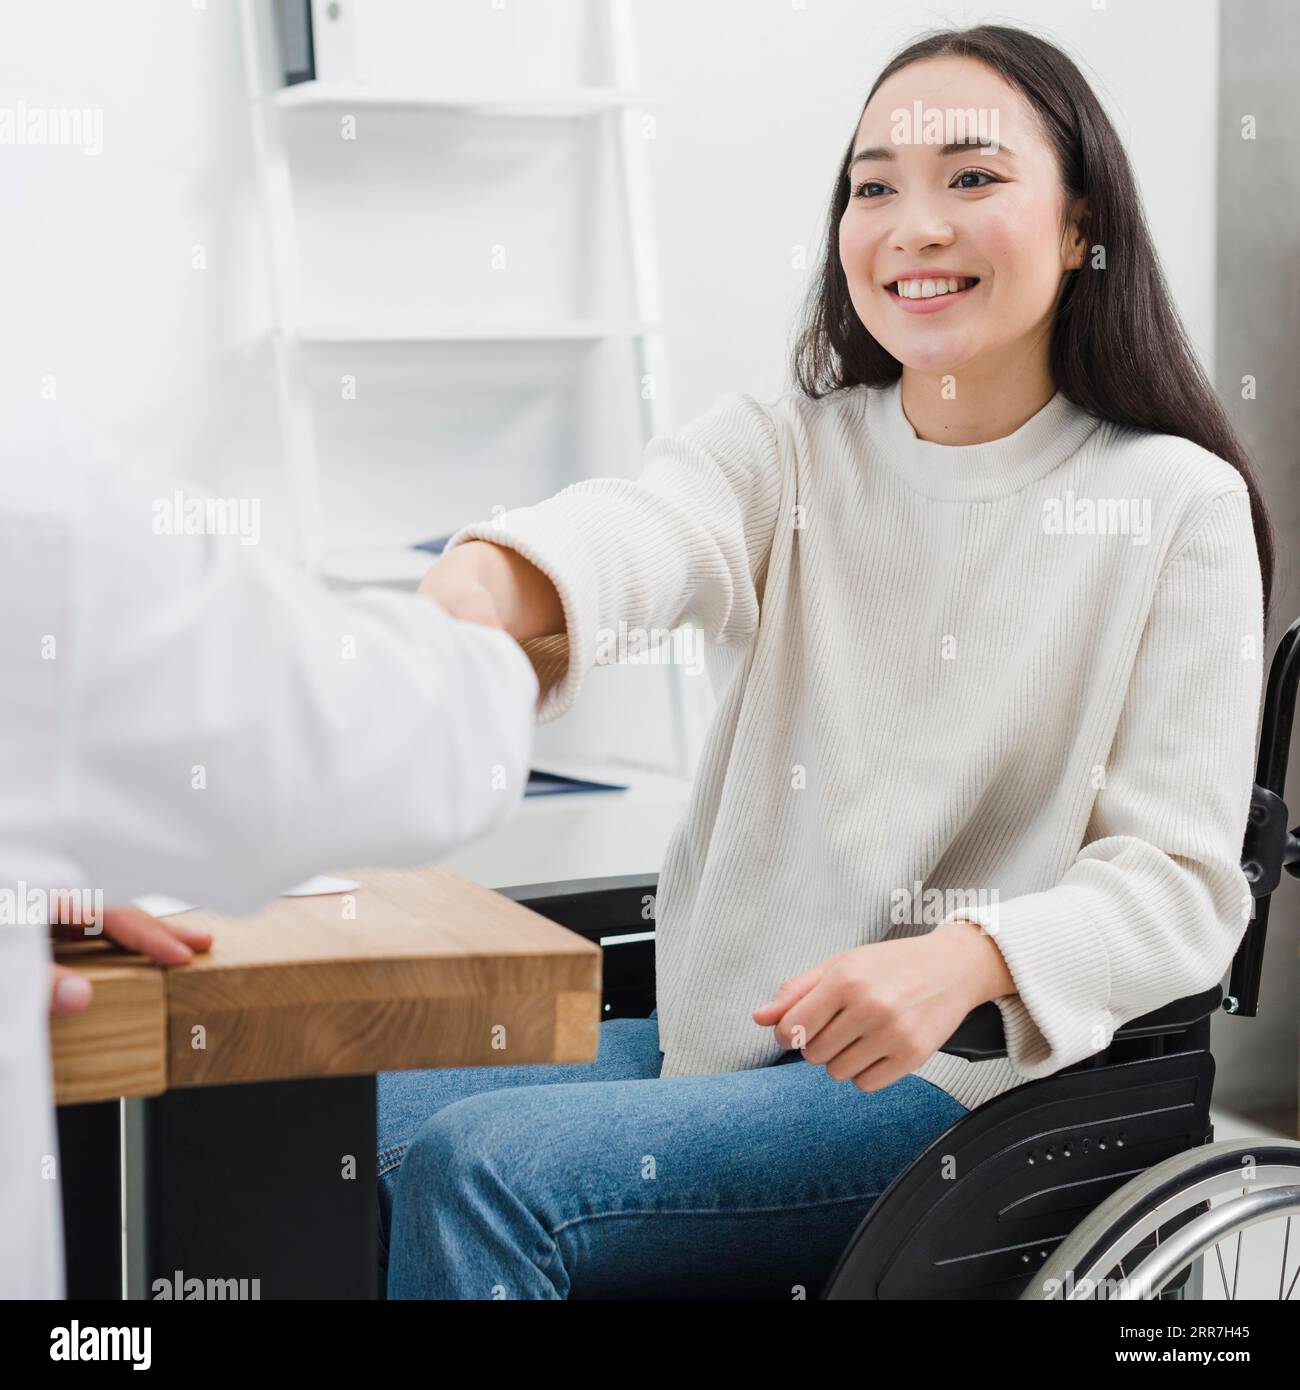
<point>1258,334</point>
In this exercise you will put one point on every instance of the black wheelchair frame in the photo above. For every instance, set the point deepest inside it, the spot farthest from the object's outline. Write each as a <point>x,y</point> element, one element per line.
<point>1031,1163</point>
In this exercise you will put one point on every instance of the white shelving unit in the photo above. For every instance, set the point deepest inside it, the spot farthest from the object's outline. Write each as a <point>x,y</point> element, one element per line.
<point>574,330</point>
<point>583,101</point>
<point>299,332</point>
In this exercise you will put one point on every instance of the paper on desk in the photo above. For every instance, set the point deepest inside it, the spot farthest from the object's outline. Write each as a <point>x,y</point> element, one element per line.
<point>160,905</point>
<point>319,885</point>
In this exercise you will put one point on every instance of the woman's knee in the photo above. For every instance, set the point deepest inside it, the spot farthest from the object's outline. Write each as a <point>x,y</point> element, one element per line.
<point>461,1143</point>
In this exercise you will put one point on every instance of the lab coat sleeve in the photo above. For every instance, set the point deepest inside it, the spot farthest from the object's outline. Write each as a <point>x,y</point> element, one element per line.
<point>685,541</point>
<point>238,727</point>
<point>1156,902</point>
<point>31,1227</point>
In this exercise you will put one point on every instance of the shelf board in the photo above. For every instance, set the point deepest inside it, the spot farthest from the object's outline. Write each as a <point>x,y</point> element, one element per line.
<point>574,101</point>
<point>542,331</point>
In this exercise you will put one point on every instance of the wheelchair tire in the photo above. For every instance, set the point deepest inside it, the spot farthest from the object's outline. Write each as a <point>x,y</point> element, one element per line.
<point>1173,1194</point>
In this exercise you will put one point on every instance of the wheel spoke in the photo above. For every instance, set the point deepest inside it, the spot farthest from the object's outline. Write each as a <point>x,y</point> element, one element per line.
<point>1286,1241</point>
<point>1236,1268</point>
<point>1218,1255</point>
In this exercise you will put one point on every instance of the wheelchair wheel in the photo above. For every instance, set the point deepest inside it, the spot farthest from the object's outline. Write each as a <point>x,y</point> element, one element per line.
<point>1160,1227</point>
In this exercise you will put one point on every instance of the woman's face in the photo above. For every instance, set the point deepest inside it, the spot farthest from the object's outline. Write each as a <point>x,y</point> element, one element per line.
<point>990,217</point>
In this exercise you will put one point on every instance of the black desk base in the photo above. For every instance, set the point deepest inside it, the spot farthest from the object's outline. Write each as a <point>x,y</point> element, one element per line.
<point>261,1190</point>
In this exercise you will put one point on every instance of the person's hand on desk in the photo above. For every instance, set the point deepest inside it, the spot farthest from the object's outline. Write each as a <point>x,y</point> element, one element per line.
<point>167,942</point>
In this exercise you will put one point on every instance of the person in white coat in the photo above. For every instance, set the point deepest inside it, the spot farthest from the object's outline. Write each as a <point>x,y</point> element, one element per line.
<point>187,714</point>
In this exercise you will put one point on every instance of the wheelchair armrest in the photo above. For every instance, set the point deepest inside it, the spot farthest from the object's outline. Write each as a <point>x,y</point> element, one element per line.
<point>624,903</point>
<point>592,907</point>
<point>981,1036</point>
<point>1173,1018</point>
<point>618,913</point>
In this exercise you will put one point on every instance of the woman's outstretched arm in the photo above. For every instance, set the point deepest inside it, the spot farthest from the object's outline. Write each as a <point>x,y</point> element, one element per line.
<point>687,540</point>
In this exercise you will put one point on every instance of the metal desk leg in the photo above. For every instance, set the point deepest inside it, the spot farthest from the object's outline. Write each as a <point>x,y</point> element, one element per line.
<point>262,1190</point>
<point>90,1181</point>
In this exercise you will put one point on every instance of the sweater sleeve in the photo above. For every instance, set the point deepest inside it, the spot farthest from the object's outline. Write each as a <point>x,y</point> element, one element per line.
<point>687,540</point>
<point>1156,902</point>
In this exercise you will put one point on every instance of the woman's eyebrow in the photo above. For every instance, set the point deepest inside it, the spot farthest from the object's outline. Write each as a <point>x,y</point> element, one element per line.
<point>957,147</point>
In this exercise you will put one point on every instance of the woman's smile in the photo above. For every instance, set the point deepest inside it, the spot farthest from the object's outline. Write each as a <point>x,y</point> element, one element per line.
<point>930,295</point>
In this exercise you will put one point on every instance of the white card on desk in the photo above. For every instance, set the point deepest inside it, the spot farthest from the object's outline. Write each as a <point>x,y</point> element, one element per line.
<point>160,905</point>
<point>319,885</point>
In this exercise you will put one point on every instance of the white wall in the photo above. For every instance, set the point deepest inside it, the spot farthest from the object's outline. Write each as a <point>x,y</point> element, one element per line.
<point>99,293</point>
<point>168,359</point>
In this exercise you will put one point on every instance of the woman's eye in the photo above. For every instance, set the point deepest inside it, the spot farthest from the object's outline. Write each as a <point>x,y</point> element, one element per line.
<point>977,173</point>
<point>861,190</point>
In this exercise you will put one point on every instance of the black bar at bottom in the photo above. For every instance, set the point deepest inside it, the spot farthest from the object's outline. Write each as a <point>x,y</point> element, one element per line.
<point>262,1190</point>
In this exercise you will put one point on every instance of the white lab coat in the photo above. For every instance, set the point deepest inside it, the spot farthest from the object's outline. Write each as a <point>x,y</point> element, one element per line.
<point>190,715</point>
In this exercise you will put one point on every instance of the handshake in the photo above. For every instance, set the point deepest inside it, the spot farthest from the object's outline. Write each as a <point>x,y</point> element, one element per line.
<point>481,582</point>
<point>477,582</point>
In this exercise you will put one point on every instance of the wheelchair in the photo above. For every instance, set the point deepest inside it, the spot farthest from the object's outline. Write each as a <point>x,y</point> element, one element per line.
<point>1106,1166</point>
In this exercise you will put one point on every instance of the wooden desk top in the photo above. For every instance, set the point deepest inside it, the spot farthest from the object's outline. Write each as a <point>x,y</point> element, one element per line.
<point>416,968</point>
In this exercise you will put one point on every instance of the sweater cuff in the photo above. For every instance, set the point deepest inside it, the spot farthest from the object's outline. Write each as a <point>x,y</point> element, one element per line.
<point>560,660</point>
<point>1060,1012</point>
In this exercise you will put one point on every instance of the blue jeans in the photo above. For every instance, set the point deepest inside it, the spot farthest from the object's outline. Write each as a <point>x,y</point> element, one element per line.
<point>604,1180</point>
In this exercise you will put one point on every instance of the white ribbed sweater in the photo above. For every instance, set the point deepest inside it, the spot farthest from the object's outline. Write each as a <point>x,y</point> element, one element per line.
<point>932,670</point>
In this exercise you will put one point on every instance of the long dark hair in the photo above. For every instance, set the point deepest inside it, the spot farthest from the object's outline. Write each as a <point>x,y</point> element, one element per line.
<point>1118,348</point>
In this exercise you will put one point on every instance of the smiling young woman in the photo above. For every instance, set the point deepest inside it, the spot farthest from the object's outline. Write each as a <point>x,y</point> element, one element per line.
<point>919,681</point>
<point>1069,297</point>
